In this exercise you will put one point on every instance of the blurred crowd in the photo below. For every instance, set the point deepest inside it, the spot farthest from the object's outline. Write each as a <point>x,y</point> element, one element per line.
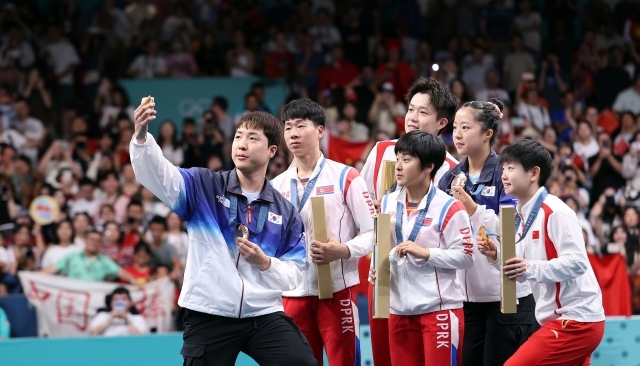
<point>567,71</point>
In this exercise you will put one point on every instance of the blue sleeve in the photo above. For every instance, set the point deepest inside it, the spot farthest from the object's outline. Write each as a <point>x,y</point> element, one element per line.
<point>294,246</point>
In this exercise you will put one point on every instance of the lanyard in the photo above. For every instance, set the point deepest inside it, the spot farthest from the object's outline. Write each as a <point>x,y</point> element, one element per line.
<point>262,217</point>
<point>307,190</point>
<point>532,215</point>
<point>417,224</point>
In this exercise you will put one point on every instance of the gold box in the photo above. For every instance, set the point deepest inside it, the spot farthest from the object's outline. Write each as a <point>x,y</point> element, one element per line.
<point>508,300</point>
<point>325,287</point>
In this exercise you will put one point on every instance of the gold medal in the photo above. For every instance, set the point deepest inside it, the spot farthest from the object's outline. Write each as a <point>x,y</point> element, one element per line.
<point>242,232</point>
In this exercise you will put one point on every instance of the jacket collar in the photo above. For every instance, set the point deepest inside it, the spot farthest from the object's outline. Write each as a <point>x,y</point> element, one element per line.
<point>488,169</point>
<point>292,171</point>
<point>233,187</point>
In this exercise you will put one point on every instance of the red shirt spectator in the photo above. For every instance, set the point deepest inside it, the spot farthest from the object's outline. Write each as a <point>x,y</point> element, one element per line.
<point>396,71</point>
<point>339,73</point>
<point>279,63</point>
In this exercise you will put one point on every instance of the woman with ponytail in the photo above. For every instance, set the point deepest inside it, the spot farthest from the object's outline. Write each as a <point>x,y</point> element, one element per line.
<point>489,335</point>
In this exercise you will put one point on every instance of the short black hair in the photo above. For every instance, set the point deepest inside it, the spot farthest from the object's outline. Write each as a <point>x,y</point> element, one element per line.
<point>270,126</point>
<point>104,176</point>
<point>134,202</point>
<point>426,147</point>
<point>142,247</point>
<point>529,154</point>
<point>84,181</point>
<point>442,99</point>
<point>221,102</point>
<point>159,220</point>
<point>304,108</point>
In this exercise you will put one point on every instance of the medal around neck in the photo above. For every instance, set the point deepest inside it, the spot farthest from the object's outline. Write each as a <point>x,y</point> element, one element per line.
<point>395,259</point>
<point>242,232</point>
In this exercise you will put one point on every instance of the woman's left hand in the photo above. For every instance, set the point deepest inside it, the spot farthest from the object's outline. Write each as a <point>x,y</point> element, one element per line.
<point>465,198</point>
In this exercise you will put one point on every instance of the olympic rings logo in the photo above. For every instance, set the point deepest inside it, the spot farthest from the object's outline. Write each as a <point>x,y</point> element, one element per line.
<point>188,107</point>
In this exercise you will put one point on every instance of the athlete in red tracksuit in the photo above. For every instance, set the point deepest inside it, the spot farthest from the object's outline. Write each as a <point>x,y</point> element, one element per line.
<point>551,255</point>
<point>329,323</point>
<point>432,240</point>
<point>431,108</point>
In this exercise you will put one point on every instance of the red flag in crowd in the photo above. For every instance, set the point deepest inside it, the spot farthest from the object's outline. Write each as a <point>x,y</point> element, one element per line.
<point>345,151</point>
<point>611,272</point>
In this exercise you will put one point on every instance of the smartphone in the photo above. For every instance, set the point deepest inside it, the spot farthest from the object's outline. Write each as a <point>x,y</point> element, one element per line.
<point>517,121</point>
<point>605,144</point>
<point>635,145</point>
<point>119,305</point>
<point>64,144</point>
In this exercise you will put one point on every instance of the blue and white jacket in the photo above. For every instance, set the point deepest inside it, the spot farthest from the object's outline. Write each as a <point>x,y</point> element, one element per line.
<point>217,280</point>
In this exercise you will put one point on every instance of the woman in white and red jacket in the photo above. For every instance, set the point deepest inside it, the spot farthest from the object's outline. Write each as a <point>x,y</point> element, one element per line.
<point>432,237</point>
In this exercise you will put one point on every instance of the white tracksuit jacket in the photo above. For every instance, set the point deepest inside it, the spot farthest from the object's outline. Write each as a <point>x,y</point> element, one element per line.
<point>559,272</point>
<point>348,209</point>
<point>419,286</point>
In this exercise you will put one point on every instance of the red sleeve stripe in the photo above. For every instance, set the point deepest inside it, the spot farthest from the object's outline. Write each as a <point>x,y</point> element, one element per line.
<point>380,149</point>
<point>351,175</point>
<point>549,247</point>
<point>452,163</point>
<point>455,207</point>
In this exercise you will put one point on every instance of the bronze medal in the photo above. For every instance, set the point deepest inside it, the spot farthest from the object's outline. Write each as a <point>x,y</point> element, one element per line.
<point>242,232</point>
<point>459,180</point>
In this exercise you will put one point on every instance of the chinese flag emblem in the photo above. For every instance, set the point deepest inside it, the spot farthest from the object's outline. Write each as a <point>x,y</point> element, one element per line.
<point>535,235</point>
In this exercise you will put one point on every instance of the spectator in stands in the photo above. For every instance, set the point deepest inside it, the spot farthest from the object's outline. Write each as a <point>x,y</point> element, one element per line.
<point>324,32</point>
<point>16,48</point>
<point>57,159</point>
<point>618,242</point>
<point>180,62</point>
<point>179,25</point>
<point>112,242</point>
<point>169,143</point>
<point>107,213</point>
<point>629,99</point>
<point>149,65</point>
<point>606,214</point>
<point>82,223</point>
<point>23,180</point>
<point>385,109</point>
<point>611,79</point>
<point>63,60</point>
<point>534,111</point>
<point>164,254</point>
<point>177,237</point>
<point>495,23</point>
<point>38,95</point>
<point>85,201</point>
<point>605,168</point>
<point>109,183</point>
<point>90,265</point>
<point>585,146</point>
<point>516,63</point>
<point>396,71</point>
<point>492,89</point>
<point>141,269</point>
<point>138,12</point>
<point>339,73</point>
<point>128,183</point>
<point>111,102</point>
<point>553,82</point>
<point>460,90</point>
<point>240,59</point>
<point>209,61</point>
<point>631,224</point>
<point>151,207</point>
<point>119,318</point>
<point>528,24</point>
<point>63,245</point>
<point>308,63</point>
<point>219,107</point>
<point>190,143</point>
<point>475,66</point>
<point>30,128</point>
<point>631,172</point>
<point>279,62</point>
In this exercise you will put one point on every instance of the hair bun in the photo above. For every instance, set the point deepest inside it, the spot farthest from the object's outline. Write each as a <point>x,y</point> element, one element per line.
<point>497,102</point>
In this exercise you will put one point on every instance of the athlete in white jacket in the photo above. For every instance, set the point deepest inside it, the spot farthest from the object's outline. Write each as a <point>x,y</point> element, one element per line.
<point>432,237</point>
<point>431,108</point>
<point>332,323</point>
<point>238,263</point>
<point>551,255</point>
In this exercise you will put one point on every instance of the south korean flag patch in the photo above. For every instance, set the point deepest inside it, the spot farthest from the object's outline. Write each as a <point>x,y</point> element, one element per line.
<point>276,219</point>
<point>489,191</point>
